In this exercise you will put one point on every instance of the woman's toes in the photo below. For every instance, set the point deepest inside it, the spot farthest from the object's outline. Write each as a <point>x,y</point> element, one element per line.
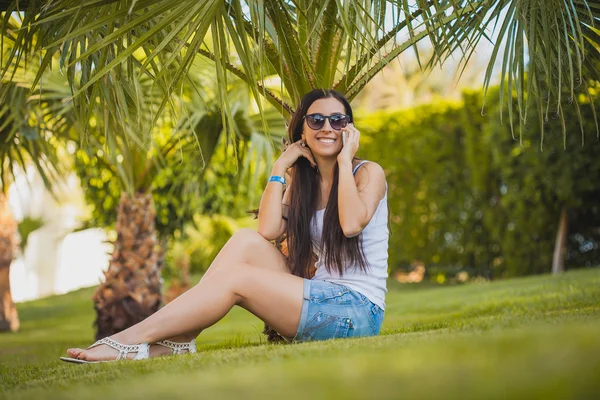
<point>74,352</point>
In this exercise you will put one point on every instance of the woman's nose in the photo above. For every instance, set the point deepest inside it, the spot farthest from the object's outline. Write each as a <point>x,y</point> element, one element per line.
<point>327,127</point>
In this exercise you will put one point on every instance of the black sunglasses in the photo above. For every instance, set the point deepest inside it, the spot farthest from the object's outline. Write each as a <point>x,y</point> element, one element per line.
<point>317,121</point>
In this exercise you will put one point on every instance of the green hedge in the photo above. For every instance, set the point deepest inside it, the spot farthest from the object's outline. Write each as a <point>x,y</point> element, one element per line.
<point>465,195</point>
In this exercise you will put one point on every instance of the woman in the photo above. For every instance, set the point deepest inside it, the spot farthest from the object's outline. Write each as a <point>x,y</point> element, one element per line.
<point>348,232</point>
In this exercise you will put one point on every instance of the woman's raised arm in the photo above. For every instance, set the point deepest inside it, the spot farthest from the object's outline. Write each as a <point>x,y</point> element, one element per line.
<point>361,193</point>
<point>270,222</point>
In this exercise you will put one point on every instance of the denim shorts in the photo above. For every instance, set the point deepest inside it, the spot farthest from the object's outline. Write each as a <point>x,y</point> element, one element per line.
<point>332,311</point>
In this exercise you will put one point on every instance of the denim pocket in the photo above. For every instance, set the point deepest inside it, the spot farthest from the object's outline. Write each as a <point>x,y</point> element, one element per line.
<point>376,318</point>
<point>336,294</point>
<point>323,326</point>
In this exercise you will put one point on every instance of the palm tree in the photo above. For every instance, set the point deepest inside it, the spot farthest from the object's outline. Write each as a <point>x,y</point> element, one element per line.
<point>125,123</point>
<point>9,318</point>
<point>21,144</point>
<point>31,129</point>
<point>131,290</point>
<point>308,44</point>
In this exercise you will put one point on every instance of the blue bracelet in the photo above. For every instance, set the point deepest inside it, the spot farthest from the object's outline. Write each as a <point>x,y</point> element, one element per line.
<point>276,178</point>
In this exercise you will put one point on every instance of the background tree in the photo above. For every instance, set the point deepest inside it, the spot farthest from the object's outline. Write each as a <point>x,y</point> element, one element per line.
<point>465,196</point>
<point>539,188</point>
<point>30,131</point>
<point>32,127</point>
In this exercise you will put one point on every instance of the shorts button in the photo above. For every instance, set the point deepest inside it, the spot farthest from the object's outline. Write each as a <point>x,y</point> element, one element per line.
<point>339,293</point>
<point>348,321</point>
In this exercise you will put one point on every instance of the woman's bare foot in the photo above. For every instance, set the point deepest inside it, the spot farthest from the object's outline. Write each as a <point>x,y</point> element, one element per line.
<point>98,353</point>
<point>103,352</point>
<point>107,353</point>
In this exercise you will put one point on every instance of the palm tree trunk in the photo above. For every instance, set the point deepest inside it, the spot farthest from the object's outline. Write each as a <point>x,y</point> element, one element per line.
<point>560,246</point>
<point>132,289</point>
<point>9,318</point>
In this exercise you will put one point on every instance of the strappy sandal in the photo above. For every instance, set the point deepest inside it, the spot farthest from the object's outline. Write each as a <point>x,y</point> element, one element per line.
<point>142,349</point>
<point>179,347</point>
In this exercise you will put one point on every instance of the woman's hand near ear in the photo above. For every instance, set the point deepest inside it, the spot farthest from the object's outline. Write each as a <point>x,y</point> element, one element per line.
<point>350,139</point>
<point>291,154</point>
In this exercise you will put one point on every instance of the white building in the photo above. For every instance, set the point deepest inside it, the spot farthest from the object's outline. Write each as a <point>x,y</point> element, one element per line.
<point>56,259</point>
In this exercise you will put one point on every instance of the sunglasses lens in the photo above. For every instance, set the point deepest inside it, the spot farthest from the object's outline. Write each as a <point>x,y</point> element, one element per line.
<point>338,121</point>
<point>315,121</point>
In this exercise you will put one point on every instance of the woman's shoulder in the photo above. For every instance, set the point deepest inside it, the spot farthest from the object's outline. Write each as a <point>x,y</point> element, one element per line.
<point>371,176</point>
<point>368,168</point>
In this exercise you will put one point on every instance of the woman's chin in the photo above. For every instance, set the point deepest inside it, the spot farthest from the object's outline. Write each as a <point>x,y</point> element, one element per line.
<point>326,153</point>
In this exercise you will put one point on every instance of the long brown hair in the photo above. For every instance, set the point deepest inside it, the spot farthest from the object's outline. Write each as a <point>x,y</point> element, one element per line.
<point>337,250</point>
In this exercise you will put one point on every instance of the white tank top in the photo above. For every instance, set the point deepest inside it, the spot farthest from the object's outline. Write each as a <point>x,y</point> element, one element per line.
<point>371,284</point>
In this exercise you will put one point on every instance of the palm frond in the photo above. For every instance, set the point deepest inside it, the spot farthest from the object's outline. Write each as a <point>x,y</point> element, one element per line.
<point>308,44</point>
<point>30,134</point>
<point>544,60</point>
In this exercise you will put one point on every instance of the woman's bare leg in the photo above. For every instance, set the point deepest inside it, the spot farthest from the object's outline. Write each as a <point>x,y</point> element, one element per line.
<point>269,291</point>
<point>244,246</point>
<point>247,245</point>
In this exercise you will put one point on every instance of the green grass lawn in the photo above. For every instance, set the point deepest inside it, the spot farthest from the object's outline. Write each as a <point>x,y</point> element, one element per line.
<point>535,337</point>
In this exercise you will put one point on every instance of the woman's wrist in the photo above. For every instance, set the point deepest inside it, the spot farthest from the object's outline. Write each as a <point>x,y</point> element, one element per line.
<point>344,163</point>
<point>278,170</point>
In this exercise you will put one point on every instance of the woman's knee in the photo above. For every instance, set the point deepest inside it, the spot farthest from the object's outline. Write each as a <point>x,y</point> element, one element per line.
<point>231,278</point>
<point>247,239</point>
<point>249,246</point>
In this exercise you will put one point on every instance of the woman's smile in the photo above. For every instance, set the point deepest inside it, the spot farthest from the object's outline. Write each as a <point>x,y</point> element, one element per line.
<point>327,141</point>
